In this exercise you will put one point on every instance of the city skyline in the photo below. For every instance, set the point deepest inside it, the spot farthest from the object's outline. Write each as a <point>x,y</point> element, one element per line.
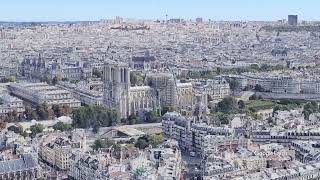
<point>81,10</point>
<point>160,89</point>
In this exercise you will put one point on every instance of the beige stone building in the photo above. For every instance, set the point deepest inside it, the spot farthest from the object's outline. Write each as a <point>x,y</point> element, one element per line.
<point>39,93</point>
<point>56,149</point>
<point>10,104</point>
<point>86,166</point>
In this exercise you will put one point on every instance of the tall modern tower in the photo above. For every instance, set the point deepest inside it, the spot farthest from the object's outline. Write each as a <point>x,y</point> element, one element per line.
<point>293,20</point>
<point>116,87</point>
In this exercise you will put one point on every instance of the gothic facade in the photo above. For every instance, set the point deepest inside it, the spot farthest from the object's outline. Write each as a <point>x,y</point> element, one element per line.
<point>162,90</point>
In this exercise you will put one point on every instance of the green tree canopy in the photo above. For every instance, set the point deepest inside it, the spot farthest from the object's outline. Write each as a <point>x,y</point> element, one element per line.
<point>136,78</point>
<point>16,129</point>
<point>169,108</point>
<point>97,73</point>
<point>62,126</point>
<point>241,104</point>
<point>142,143</point>
<point>227,105</point>
<point>103,143</point>
<point>94,116</point>
<point>36,129</point>
<point>234,84</point>
<point>8,79</point>
<point>146,140</point>
<point>152,117</point>
<point>309,108</point>
<point>156,139</point>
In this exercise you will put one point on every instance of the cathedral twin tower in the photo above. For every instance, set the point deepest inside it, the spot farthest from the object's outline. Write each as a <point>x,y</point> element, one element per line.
<point>116,87</point>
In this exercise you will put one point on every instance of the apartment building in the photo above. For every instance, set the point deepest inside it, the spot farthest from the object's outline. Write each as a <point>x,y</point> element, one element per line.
<point>284,136</point>
<point>189,135</point>
<point>306,171</point>
<point>10,104</point>
<point>56,149</point>
<point>86,166</point>
<point>274,83</point>
<point>216,89</point>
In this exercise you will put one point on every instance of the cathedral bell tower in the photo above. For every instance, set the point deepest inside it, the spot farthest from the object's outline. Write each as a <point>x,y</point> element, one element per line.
<point>116,77</point>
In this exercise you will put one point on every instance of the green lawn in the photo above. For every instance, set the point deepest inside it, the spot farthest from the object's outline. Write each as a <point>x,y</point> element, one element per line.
<point>259,104</point>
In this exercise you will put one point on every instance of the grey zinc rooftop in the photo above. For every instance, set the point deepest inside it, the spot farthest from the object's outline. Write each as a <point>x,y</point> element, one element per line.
<point>25,162</point>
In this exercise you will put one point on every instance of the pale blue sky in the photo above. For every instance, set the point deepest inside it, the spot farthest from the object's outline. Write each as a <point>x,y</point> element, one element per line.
<point>62,10</point>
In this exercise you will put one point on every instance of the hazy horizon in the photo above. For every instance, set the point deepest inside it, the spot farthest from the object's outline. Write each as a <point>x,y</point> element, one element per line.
<point>95,10</point>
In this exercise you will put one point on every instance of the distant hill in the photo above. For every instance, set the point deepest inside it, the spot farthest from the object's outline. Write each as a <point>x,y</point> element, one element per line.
<point>12,23</point>
<point>291,28</point>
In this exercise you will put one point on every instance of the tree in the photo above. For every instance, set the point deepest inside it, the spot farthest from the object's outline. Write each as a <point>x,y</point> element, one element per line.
<point>55,80</point>
<point>12,116</point>
<point>152,117</point>
<point>8,79</point>
<point>136,78</point>
<point>98,144</point>
<point>36,129</point>
<point>265,67</point>
<point>50,113</point>
<point>169,108</point>
<point>142,142</point>
<point>132,119</point>
<point>46,79</point>
<point>131,141</point>
<point>63,110</point>
<point>2,124</point>
<point>280,108</point>
<point>62,126</point>
<point>30,114</point>
<point>93,115</point>
<point>95,129</point>
<point>103,143</point>
<point>59,77</point>
<point>42,112</point>
<point>74,81</point>
<point>194,74</point>
<point>12,78</point>
<point>253,97</point>
<point>254,67</point>
<point>56,110</point>
<point>156,139</point>
<point>146,140</point>
<point>97,73</point>
<point>258,88</point>
<point>222,117</point>
<point>241,104</point>
<point>270,120</point>
<point>24,134</point>
<point>218,70</point>
<point>66,109</point>
<point>309,108</point>
<point>16,129</point>
<point>227,105</point>
<point>234,84</point>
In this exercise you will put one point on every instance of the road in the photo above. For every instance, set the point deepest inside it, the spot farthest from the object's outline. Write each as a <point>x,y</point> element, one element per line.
<point>191,166</point>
